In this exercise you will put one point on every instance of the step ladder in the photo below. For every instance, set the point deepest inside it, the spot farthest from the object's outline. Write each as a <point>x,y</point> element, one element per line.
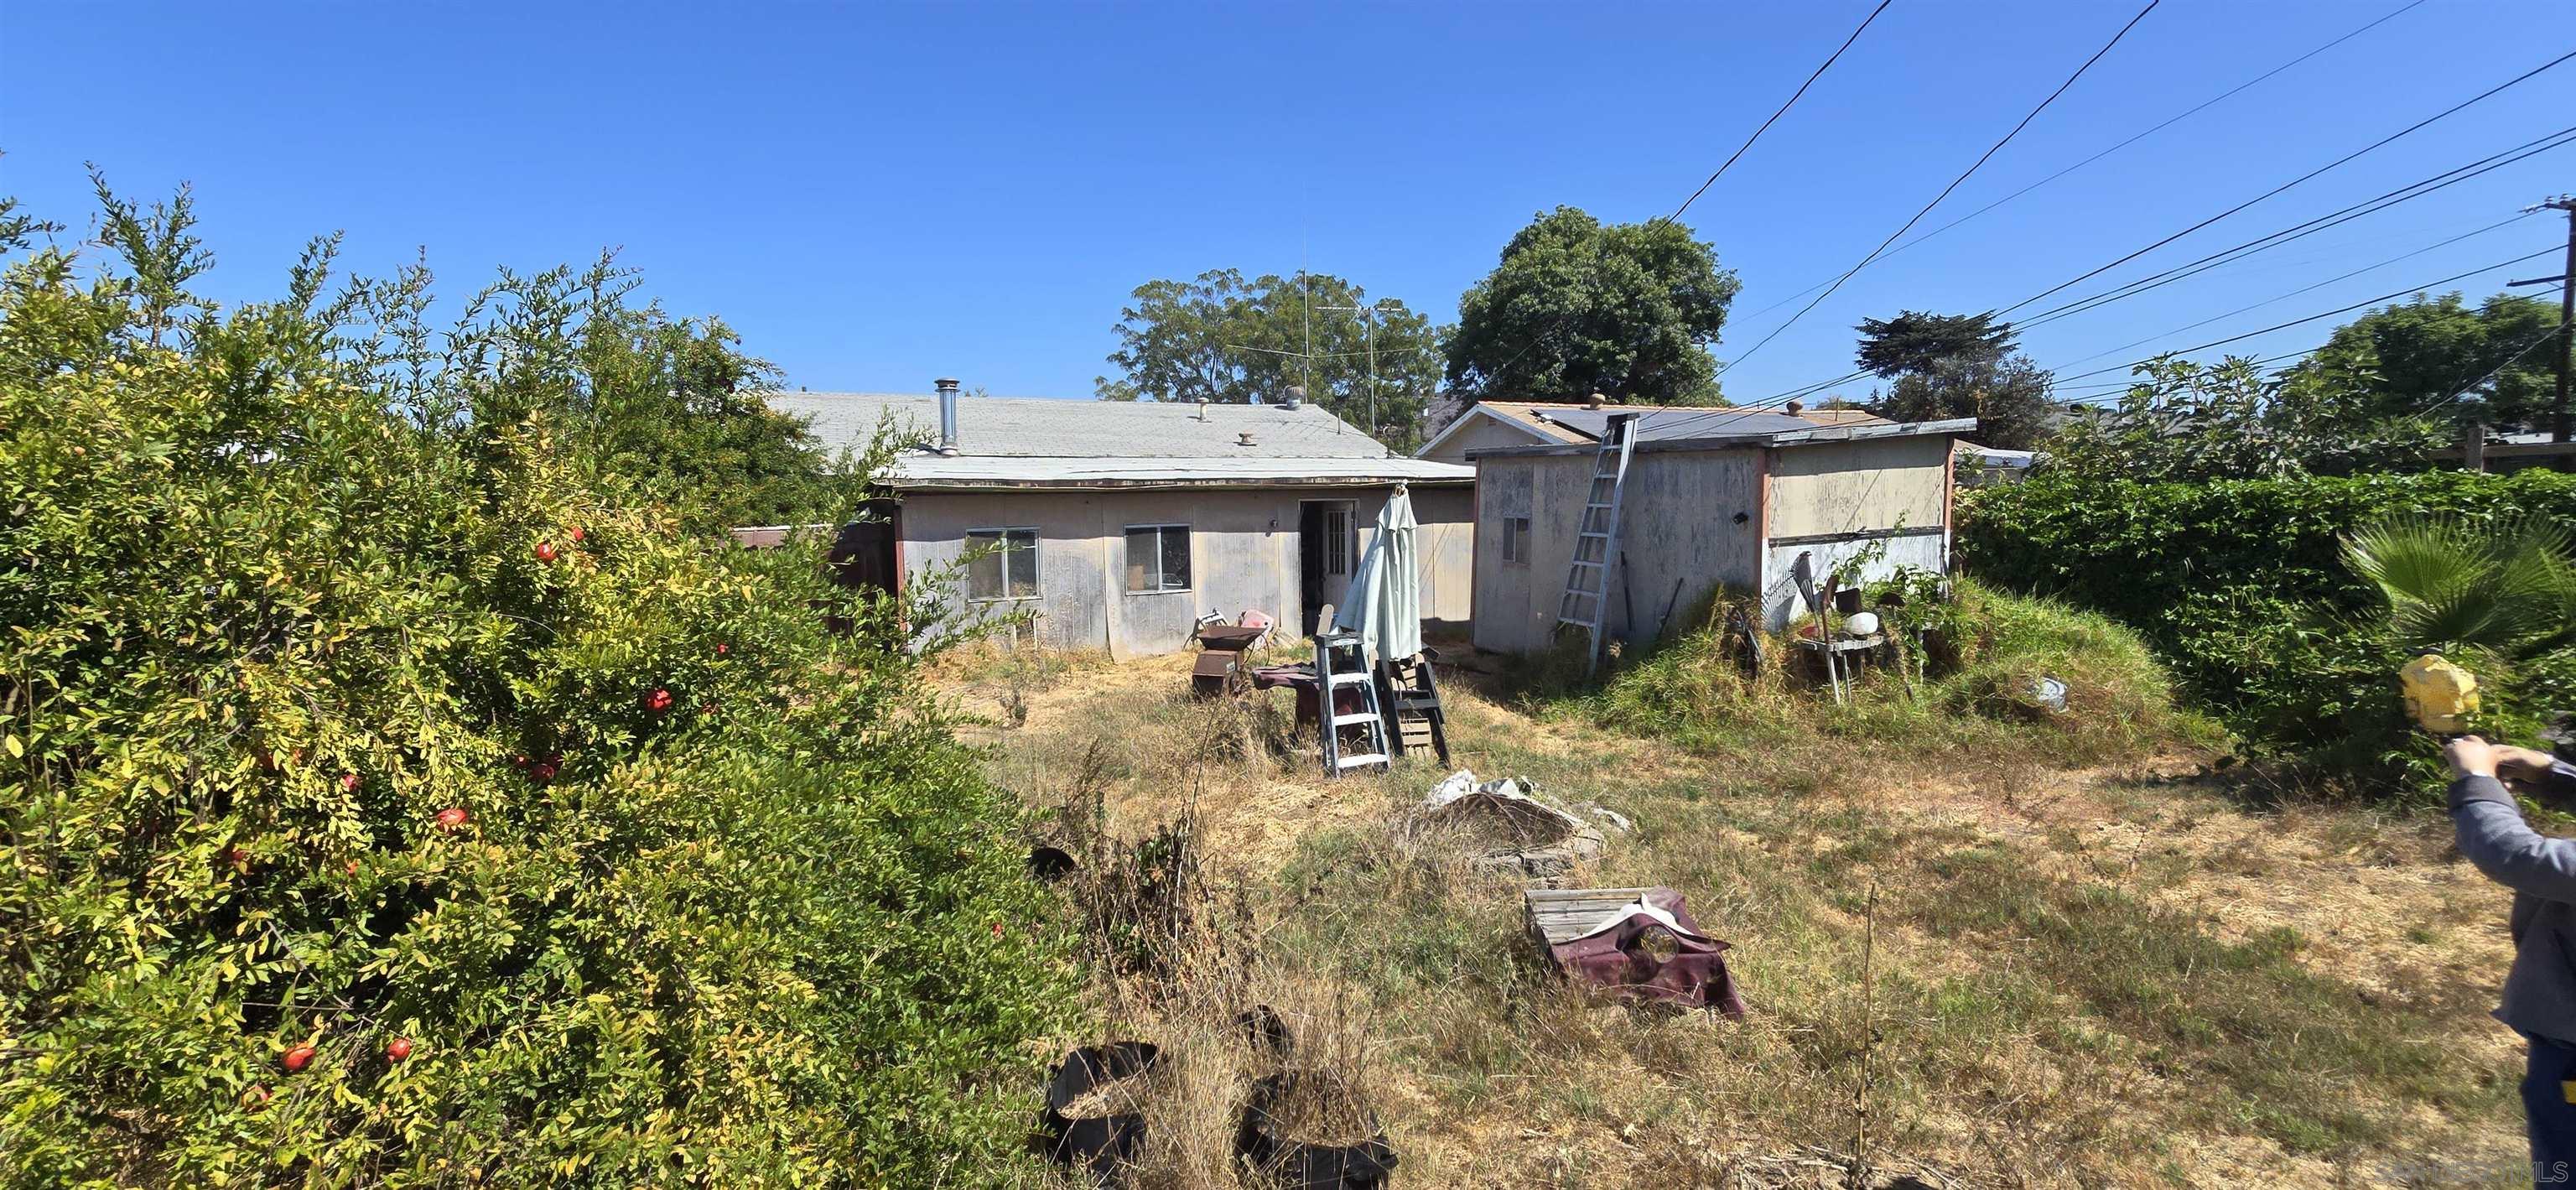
<point>1411,697</point>
<point>1342,664</point>
<point>1596,539</point>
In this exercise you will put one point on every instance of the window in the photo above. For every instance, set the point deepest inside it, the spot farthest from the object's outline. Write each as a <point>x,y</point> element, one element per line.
<point>1516,539</point>
<point>1337,540</point>
<point>1158,558</point>
<point>1002,564</point>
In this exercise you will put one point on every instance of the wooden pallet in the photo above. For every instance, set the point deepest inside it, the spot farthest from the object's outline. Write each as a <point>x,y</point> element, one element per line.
<point>1561,915</point>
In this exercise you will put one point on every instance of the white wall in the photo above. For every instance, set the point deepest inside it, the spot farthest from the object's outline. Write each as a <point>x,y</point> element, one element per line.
<point>1243,555</point>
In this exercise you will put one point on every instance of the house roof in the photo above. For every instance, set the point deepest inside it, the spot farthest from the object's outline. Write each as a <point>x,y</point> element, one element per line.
<point>1674,425</point>
<point>1716,429</point>
<point>1045,442</point>
<point>931,472</point>
<point>1843,417</point>
<point>1560,422</point>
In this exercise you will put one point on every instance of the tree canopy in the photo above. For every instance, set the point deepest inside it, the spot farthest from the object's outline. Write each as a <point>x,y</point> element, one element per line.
<point>1914,341</point>
<point>1957,365</point>
<point>2188,422</point>
<point>2441,355</point>
<point>1576,307</point>
<point>1219,338</point>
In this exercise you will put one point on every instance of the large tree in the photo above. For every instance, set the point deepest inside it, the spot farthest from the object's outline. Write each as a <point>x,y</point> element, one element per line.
<point>2007,394</point>
<point>2439,355</point>
<point>1913,341</point>
<point>1575,308</point>
<point>1957,365</point>
<point>1217,337</point>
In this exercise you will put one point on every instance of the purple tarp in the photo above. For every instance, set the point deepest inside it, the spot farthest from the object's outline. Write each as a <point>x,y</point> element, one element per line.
<point>1613,955</point>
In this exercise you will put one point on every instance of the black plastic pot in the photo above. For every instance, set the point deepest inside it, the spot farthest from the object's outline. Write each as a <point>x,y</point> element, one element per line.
<point>1266,1030</point>
<point>1051,863</point>
<point>1102,1145</point>
<point>1294,1165</point>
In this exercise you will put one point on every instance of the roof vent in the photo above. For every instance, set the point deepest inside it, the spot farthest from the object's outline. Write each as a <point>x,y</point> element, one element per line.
<point>947,415</point>
<point>1596,402</point>
<point>1243,439</point>
<point>1296,396</point>
<point>1795,407</point>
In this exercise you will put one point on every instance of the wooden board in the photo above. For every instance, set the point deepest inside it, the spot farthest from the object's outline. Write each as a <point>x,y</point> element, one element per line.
<point>1560,915</point>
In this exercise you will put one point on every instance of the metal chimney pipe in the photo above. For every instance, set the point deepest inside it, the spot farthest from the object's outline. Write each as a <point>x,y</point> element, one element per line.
<point>947,415</point>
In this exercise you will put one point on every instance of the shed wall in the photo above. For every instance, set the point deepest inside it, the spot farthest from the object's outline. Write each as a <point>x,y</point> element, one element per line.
<point>1680,538</point>
<point>1835,500</point>
<point>1861,486</point>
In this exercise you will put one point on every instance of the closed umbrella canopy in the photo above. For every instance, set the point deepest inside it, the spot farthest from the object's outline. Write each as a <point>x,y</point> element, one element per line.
<point>1385,602</point>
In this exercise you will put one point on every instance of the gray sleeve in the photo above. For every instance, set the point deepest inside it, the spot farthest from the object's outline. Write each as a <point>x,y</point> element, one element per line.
<point>2495,839</point>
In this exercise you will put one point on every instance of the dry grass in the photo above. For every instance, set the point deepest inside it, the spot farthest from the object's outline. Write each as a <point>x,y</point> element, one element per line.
<point>2104,976</point>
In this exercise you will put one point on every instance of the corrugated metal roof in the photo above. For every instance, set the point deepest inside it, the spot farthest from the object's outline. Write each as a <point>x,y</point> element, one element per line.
<point>1673,425</point>
<point>920,471</point>
<point>1040,427</point>
<point>1718,434</point>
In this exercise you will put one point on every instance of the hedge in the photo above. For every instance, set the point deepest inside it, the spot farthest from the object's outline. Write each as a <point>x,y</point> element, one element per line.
<point>2239,584</point>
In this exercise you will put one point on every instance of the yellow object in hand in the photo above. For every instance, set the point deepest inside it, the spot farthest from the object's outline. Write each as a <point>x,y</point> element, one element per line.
<point>2439,694</point>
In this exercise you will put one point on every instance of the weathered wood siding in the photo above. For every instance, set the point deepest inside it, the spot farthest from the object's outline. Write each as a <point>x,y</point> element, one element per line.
<point>1679,525</point>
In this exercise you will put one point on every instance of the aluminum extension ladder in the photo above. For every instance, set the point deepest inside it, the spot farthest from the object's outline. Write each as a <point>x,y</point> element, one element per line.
<point>1596,542</point>
<point>1342,664</point>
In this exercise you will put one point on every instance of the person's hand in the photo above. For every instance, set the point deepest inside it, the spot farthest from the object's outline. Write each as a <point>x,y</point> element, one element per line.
<point>2474,757</point>
<point>2522,764</point>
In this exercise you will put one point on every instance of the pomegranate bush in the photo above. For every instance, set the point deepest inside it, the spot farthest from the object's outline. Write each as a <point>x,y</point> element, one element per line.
<point>395,798</point>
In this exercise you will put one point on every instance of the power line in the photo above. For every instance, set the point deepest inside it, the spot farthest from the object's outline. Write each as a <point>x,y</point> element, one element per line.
<point>2383,141</point>
<point>2297,231</point>
<point>2204,105</point>
<point>1784,109</point>
<point>2531,148</point>
<point>2313,317</point>
<point>2303,289</point>
<point>1997,147</point>
<point>1563,318</point>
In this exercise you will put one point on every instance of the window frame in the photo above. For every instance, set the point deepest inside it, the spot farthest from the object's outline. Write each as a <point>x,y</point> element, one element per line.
<point>1127,538</point>
<point>1341,535</point>
<point>1516,534</point>
<point>1002,556</point>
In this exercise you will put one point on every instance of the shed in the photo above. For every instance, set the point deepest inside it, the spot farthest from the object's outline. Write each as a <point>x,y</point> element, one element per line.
<point>1714,497</point>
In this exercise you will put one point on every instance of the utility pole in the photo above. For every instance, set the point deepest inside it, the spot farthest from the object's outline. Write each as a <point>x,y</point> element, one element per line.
<point>2566,320</point>
<point>1368,334</point>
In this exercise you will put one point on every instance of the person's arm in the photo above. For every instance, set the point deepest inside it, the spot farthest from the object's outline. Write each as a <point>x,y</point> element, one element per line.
<point>2491,832</point>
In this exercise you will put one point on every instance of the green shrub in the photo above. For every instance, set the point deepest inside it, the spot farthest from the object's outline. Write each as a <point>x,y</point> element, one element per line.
<point>725,903</point>
<point>2242,588</point>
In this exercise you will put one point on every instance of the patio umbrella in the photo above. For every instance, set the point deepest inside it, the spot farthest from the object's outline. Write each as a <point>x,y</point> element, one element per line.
<point>1385,601</point>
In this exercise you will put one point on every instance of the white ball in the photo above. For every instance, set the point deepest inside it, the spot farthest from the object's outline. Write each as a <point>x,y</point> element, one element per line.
<point>1861,623</point>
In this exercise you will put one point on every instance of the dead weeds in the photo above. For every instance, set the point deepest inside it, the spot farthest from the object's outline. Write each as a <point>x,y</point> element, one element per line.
<point>2093,976</point>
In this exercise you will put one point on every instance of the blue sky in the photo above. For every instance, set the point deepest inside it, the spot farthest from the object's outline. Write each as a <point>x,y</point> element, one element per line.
<point>878,195</point>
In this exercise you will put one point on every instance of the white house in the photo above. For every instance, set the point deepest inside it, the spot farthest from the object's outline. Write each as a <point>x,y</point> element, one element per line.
<point>1121,523</point>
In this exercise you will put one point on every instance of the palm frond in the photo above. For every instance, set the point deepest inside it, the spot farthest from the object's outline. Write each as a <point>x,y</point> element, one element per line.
<point>2506,589</point>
